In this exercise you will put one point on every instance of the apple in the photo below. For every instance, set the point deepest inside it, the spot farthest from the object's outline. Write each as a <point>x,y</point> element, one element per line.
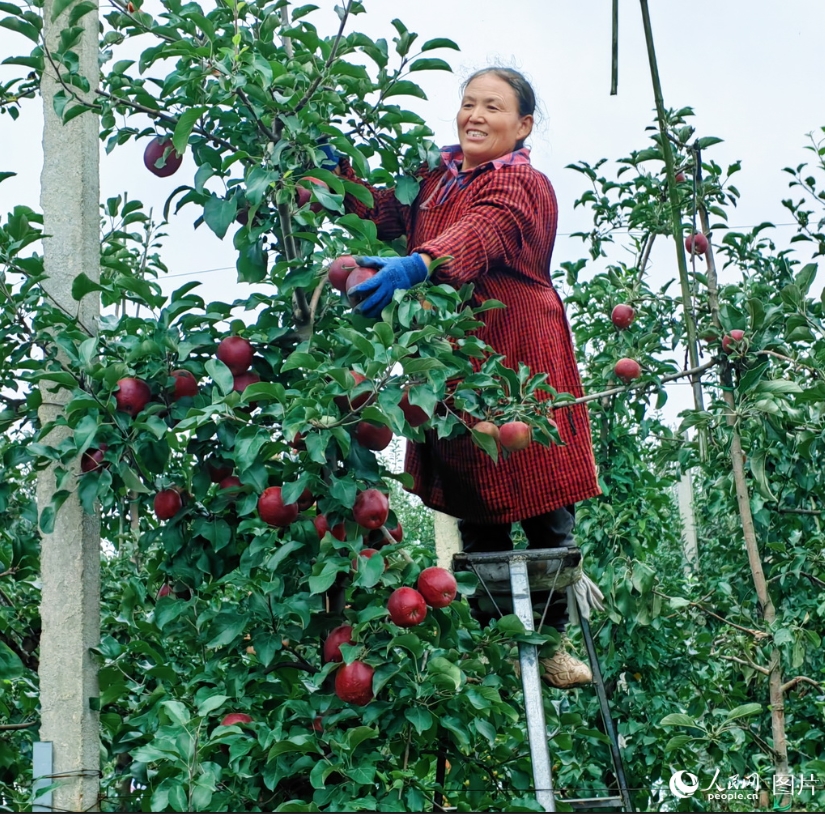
<point>373,436</point>
<point>338,531</point>
<point>360,275</point>
<point>243,380</point>
<point>164,590</point>
<point>407,607</point>
<point>623,316</point>
<point>515,435</point>
<point>305,500</point>
<point>272,509</point>
<point>397,533</point>
<point>696,243</point>
<point>353,683</point>
<point>305,193</point>
<point>369,553</point>
<point>185,384</point>
<point>412,412</point>
<point>92,459</point>
<point>236,353</point>
<point>627,370</point>
<point>155,150</point>
<point>339,270</point>
<point>735,335</point>
<point>318,724</point>
<point>371,509</point>
<point>488,428</point>
<point>298,443</point>
<point>230,482</point>
<point>132,395</point>
<point>167,504</point>
<point>332,645</point>
<point>437,586</point>
<point>680,178</point>
<point>343,402</point>
<point>236,718</point>
<point>218,469</point>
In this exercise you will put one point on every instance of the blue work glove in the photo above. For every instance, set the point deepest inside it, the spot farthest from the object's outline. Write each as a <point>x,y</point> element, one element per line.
<point>395,273</point>
<point>333,157</point>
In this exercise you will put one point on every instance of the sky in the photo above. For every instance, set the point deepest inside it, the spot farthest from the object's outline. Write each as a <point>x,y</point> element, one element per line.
<point>751,69</point>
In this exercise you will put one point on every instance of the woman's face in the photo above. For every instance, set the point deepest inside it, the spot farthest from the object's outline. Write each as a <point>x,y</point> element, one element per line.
<point>488,121</point>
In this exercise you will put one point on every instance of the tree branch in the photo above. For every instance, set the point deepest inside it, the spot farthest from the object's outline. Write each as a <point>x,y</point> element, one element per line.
<point>13,727</point>
<point>789,685</point>
<point>761,669</point>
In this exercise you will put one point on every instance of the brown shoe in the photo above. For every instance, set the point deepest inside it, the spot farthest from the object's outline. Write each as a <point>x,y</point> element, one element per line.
<point>565,671</point>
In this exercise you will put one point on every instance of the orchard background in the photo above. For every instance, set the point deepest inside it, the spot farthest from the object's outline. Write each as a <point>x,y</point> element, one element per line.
<point>213,611</point>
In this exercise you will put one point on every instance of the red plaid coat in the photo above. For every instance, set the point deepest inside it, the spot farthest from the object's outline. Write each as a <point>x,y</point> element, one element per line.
<point>499,225</point>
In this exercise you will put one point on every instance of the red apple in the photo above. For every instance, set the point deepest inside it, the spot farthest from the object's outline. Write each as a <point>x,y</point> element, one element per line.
<point>735,335</point>
<point>243,380</point>
<point>218,468</point>
<point>185,384</point>
<point>397,533</point>
<point>623,316</point>
<point>369,553</point>
<point>407,607</point>
<point>680,178</point>
<point>488,428</point>
<point>236,718</point>
<point>304,193</point>
<point>230,482</point>
<point>318,724</point>
<point>696,243</point>
<point>338,531</point>
<point>167,504</point>
<point>272,509</point>
<point>353,683</point>
<point>332,644</point>
<point>164,590</point>
<point>515,435</point>
<point>344,404</point>
<point>437,586</point>
<point>156,149</point>
<point>627,370</point>
<point>132,395</point>
<point>305,500</point>
<point>92,459</point>
<point>412,412</point>
<point>373,436</point>
<point>371,509</point>
<point>298,443</point>
<point>236,353</point>
<point>360,275</point>
<point>339,271</point>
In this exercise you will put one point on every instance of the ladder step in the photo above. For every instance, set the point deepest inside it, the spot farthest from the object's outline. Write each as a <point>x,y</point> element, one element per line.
<point>592,803</point>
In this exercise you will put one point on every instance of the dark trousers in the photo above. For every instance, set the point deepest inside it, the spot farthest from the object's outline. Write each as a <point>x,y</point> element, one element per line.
<point>550,530</point>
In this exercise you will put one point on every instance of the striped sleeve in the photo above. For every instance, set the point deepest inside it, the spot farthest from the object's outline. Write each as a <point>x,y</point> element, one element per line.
<point>508,207</point>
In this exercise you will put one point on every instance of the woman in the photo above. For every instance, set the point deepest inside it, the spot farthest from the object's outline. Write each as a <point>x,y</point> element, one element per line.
<point>487,208</point>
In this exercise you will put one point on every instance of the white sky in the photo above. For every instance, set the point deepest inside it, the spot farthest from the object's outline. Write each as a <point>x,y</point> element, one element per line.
<point>751,69</point>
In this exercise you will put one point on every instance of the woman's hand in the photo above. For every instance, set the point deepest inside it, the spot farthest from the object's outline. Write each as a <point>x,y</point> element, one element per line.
<point>395,273</point>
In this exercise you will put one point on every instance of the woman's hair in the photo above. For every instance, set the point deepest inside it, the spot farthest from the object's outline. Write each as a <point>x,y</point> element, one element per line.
<point>525,95</point>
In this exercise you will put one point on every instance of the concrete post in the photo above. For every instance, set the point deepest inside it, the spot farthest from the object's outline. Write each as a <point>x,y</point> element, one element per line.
<point>684,492</point>
<point>447,539</point>
<point>70,558</point>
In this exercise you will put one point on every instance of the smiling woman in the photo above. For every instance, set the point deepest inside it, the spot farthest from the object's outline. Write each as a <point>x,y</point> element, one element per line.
<point>487,210</point>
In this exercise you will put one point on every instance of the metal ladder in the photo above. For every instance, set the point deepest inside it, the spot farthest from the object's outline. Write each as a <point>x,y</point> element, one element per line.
<point>506,578</point>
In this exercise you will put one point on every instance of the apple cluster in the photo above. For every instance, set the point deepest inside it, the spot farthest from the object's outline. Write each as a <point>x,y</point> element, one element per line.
<point>407,607</point>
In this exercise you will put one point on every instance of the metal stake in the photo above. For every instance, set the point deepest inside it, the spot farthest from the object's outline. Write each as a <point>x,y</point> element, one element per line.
<point>531,682</point>
<point>42,770</point>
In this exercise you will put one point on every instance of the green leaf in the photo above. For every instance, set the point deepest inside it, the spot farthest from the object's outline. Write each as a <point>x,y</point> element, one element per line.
<point>221,375</point>
<point>708,141</point>
<point>486,442</point>
<point>81,10</point>
<point>82,285</point>
<point>10,664</point>
<point>678,719</point>
<point>184,127</point>
<point>59,7</point>
<point>219,214</point>
<point>420,718</point>
<point>300,360</point>
<point>322,581</point>
<point>360,734</point>
<point>406,189</point>
<point>439,42</point>
<point>444,667</point>
<point>211,703</point>
<point>677,742</point>
<point>743,711</point>
<point>431,64</point>
<point>177,712</point>
<point>405,88</point>
<point>21,27</point>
